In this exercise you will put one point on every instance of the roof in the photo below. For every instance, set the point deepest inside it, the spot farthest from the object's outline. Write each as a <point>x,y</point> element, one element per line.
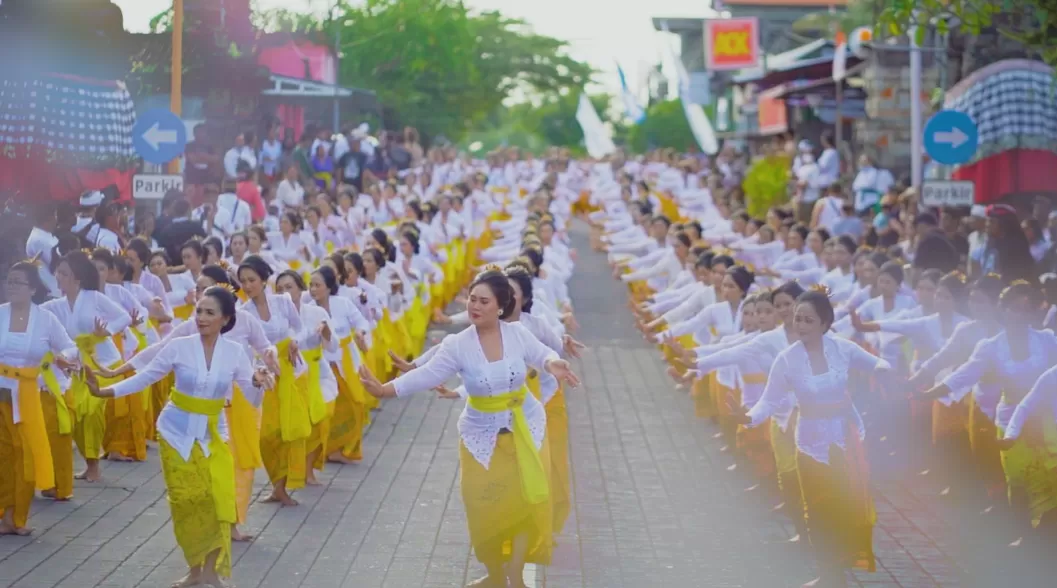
<point>676,25</point>
<point>288,86</point>
<point>792,58</point>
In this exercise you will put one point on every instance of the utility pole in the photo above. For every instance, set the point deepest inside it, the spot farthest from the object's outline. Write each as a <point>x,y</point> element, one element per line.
<point>916,132</point>
<point>176,94</point>
<point>337,69</point>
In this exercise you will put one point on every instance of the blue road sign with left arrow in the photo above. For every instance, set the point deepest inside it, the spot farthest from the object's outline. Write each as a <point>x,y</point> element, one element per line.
<point>951,137</point>
<point>159,136</point>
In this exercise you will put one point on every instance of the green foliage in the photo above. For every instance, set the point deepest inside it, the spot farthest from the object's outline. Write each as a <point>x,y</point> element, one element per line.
<point>859,13</point>
<point>665,126</point>
<point>766,183</point>
<point>1031,22</point>
<point>437,66</point>
<point>535,127</point>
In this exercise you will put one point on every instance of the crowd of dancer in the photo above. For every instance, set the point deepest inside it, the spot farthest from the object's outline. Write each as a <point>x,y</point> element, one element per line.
<point>270,349</point>
<point>785,332</point>
<point>261,346</point>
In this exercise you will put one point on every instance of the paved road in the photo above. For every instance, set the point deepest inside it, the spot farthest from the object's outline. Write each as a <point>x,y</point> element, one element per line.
<point>656,503</point>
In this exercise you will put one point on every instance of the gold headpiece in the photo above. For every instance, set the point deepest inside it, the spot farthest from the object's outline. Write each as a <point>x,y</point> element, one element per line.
<point>960,276</point>
<point>821,288</point>
<point>87,251</point>
<point>1018,283</point>
<point>223,263</point>
<point>226,286</point>
<point>35,260</point>
<point>993,275</point>
<point>492,267</point>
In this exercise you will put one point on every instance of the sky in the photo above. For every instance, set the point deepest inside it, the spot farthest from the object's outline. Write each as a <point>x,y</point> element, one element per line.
<point>600,32</point>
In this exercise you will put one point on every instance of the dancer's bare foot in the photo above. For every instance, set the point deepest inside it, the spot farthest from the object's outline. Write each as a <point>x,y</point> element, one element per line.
<point>487,582</point>
<point>310,480</point>
<point>119,457</point>
<point>89,475</point>
<point>338,457</point>
<point>240,537</point>
<point>192,578</point>
<point>9,529</point>
<point>281,497</point>
<point>50,493</point>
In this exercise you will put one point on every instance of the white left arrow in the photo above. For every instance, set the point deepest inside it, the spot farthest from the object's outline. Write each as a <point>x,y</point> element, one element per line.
<point>155,136</point>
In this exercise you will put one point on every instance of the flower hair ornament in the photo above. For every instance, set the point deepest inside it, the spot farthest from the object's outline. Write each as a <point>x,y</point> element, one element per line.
<point>993,275</point>
<point>960,276</point>
<point>492,267</point>
<point>223,263</point>
<point>824,289</point>
<point>35,260</point>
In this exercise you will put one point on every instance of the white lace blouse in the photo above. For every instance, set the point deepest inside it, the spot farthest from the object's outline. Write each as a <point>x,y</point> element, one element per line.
<point>1017,377</point>
<point>792,373</point>
<point>461,354</point>
<point>185,357</point>
<point>43,333</point>
<point>1043,396</point>
<point>956,351</point>
<point>80,320</point>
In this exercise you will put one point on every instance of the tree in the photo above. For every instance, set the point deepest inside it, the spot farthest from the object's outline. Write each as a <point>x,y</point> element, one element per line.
<point>537,126</point>
<point>859,13</point>
<point>1030,22</point>
<point>665,126</point>
<point>435,65</point>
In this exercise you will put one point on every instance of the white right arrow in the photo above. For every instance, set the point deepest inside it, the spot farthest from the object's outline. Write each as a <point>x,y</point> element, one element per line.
<point>155,136</point>
<point>955,137</point>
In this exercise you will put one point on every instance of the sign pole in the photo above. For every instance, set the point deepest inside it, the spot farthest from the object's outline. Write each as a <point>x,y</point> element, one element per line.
<point>916,135</point>
<point>176,95</point>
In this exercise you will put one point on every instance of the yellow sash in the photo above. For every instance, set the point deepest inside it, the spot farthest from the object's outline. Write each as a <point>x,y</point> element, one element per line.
<point>83,402</point>
<point>244,428</point>
<point>757,378</point>
<point>62,413</point>
<point>317,407</point>
<point>293,409</point>
<point>221,462</point>
<point>183,312</point>
<point>34,433</point>
<point>121,405</point>
<point>348,369</point>
<point>534,485</point>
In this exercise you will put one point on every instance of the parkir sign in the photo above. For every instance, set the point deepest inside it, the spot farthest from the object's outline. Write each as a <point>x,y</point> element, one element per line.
<point>732,43</point>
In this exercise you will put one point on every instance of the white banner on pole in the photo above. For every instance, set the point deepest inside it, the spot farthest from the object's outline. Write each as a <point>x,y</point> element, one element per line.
<point>597,139</point>
<point>700,126</point>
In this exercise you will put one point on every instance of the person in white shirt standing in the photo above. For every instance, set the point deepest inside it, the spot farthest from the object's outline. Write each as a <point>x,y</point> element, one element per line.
<point>870,184</point>
<point>41,243</point>
<point>241,150</point>
<point>271,153</point>
<point>290,194</point>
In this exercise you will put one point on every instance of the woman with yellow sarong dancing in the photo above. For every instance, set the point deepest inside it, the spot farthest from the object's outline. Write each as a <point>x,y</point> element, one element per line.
<point>285,424</point>
<point>243,419</point>
<point>831,460</point>
<point>504,457</point>
<point>28,335</point>
<point>91,319</point>
<point>349,413</point>
<point>196,462</point>
<point>320,386</point>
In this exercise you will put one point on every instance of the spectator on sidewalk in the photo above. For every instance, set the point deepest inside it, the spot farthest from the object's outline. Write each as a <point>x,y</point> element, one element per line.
<point>241,152</point>
<point>249,192</point>
<point>353,164</point>
<point>870,185</point>
<point>290,195</point>
<point>271,154</point>
<point>181,229</point>
<point>203,164</point>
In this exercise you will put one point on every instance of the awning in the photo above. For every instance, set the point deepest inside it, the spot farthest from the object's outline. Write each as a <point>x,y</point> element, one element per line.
<point>297,88</point>
<point>824,87</point>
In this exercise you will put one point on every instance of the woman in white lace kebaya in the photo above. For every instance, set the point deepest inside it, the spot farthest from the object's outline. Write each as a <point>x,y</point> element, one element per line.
<point>829,433</point>
<point>503,457</point>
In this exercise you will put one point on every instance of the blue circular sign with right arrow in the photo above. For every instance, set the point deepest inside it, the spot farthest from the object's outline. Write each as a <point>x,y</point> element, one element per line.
<point>951,137</point>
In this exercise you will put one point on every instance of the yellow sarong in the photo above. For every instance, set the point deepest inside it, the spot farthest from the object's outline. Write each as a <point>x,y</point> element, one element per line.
<point>285,425</point>
<point>89,411</point>
<point>221,462</point>
<point>534,484</point>
<point>34,434</point>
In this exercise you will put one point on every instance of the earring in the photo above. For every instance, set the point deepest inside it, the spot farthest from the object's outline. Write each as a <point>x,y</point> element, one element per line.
<point>500,314</point>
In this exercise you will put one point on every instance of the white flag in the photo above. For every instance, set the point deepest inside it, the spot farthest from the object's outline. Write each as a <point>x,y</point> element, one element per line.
<point>597,139</point>
<point>840,61</point>
<point>695,115</point>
